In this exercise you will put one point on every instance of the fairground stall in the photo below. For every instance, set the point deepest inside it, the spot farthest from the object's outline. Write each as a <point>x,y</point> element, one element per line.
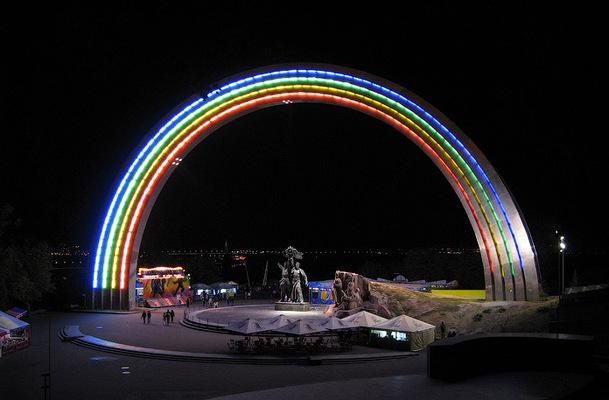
<point>320,292</point>
<point>162,286</point>
<point>15,334</point>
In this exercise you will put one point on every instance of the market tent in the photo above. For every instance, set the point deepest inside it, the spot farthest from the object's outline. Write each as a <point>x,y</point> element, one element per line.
<point>18,336</point>
<point>320,292</point>
<point>11,323</point>
<point>334,324</point>
<point>276,322</point>
<point>200,286</point>
<point>364,319</point>
<point>300,327</point>
<point>421,333</point>
<point>223,285</point>
<point>17,312</point>
<point>246,327</point>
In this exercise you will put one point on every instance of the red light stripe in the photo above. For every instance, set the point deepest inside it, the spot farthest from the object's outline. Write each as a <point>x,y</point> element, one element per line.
<point>299,96</point>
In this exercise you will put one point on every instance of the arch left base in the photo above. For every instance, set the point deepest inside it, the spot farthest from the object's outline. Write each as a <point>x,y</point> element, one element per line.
<point>112,300</point>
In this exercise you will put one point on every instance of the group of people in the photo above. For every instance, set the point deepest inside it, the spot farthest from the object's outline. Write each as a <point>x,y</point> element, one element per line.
<point>146,316</point>
<point>283,345</point>
<point>213,301</point>
<point>168,316</point>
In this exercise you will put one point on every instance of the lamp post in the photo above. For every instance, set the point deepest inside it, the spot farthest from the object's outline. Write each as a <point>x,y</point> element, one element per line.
<point>562,245</point>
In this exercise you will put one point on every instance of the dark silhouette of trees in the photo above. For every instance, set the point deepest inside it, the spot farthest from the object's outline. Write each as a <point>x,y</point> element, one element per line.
<point>25,265</point>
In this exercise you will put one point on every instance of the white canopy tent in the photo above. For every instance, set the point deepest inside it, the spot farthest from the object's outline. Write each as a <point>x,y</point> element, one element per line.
<point>420,333</point>
<point>333,324</point>
<point>300,327</point>
<point>275,322</point>
<point>364,319</point>
<point>246,327</point>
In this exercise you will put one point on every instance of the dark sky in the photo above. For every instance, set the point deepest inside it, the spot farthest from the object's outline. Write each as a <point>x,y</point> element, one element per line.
<point>84,86</point>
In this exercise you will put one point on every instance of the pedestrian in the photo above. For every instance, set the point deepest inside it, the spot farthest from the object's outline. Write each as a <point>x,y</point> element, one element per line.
<point>172,314</point>
<point>148,316</point>
<point>144,316</point>
<point>442,330</point>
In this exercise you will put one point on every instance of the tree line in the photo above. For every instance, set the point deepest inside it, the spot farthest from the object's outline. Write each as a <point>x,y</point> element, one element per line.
<point>25,264</point>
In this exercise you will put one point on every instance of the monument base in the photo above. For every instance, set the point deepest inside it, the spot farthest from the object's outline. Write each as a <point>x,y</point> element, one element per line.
<point>283,306</point>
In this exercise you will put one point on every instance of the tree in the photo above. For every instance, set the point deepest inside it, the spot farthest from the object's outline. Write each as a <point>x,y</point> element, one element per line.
<point>25,265</point>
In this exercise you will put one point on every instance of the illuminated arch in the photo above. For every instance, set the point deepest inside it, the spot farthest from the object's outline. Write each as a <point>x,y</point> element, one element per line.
<point>508,254</point>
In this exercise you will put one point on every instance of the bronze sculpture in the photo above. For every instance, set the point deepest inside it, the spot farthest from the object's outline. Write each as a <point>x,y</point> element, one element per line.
<point>298,279</point>
<point>284,283</point>
<point>292,277</point>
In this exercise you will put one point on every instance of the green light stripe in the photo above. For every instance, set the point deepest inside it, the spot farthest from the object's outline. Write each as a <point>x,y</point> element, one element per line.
<point>177,131</point>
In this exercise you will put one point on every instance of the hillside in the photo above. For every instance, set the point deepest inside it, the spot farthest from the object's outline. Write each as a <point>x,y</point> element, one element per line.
<point>467,316</point>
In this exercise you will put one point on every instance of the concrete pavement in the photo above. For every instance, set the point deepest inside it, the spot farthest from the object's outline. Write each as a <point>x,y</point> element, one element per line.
<point>80,373</point>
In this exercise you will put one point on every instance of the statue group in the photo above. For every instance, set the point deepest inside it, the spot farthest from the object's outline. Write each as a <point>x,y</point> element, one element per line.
<point>349,292</point>
<point>293,278</point>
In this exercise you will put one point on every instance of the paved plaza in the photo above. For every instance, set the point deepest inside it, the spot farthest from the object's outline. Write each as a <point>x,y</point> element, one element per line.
<point>224,315</point>
<point>79,372</point>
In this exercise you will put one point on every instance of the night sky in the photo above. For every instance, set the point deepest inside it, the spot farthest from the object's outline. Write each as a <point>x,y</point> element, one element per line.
<point>83,86</point>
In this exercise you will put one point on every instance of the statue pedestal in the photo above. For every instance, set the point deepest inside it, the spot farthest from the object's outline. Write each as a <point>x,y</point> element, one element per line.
<point>286,306</point>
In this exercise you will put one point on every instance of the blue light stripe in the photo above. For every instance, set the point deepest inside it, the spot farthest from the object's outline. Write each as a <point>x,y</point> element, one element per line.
<point>119,191</point>
<point>398,97</point>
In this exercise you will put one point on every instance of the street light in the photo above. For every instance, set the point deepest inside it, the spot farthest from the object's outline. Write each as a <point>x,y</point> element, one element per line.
<point>562,245</point>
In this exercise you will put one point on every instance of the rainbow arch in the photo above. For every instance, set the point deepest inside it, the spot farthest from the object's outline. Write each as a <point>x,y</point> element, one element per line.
<point>508,253</point>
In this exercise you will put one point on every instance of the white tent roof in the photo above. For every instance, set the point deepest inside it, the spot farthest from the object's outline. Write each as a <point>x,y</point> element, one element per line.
<point>275,322</point>
<point>364,319</point>
<point>10,323</point>
<point>300,327</point>
<point>404,323</point>
<point>334,323</point>
<point>224,285</point>
<point>247,326</point>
